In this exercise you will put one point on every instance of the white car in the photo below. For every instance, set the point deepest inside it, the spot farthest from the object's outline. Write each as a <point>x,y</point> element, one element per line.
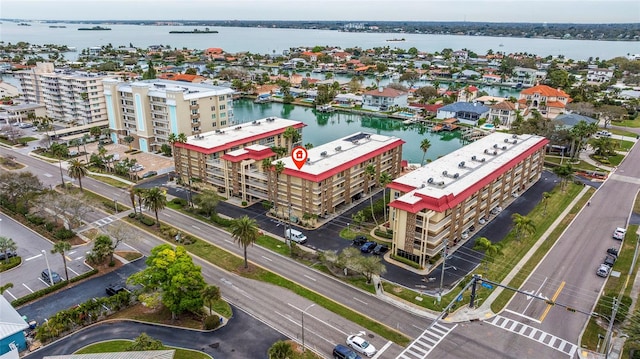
<point>619,233</point>
<point>360,345</point>
<point>604,133</point>
<point>603,270</point>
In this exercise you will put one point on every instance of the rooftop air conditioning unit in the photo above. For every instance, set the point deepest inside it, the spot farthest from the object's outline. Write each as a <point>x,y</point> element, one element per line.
<point>441,183</point>
<point>430,180</point>
<point>514,142</point>
<point>473,158</point>
<point>323,153</point>
<point>495,145</point>
<point>483,159</point>
<point>445,173</point>
<point>455,176</point>
<point>486,151</point>
<point>495,153</point>
<point>504,148</point>
<point>506,140</point>
<point>514,136</point>
<point>461,164</point>
<point>239,127</point>
<point>338,149</point>
<point>422,185</point>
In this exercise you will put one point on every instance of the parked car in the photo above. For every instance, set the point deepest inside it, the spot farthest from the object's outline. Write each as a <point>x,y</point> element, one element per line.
<point>380,249</point>
<point>603,270</point>
<point>149,174</point>
<point>613,251</point>
<point>7,254</point>
<point>360,345</point>
<point>619,233</point>
<point>342,352</point>
<point>609,260</point>
<point>368,247</point>
<point>360,240</point>
<point>604,133</point>
<point>115,289</point>
<point>47,277</point>
<point>137,167</point>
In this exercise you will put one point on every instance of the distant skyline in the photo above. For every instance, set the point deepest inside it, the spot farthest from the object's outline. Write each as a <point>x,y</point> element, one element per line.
<point>561,11</point>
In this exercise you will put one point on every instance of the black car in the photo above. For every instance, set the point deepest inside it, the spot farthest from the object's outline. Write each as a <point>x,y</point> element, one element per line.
<point>360,240</point>
<point>149,174</point>
<point>115,289</point>
<point>7,254</point>
<point>380,249</point>
<point>50,276</point>
<point>613,251</point>
<point>610,260</point>
<point>368,247</point>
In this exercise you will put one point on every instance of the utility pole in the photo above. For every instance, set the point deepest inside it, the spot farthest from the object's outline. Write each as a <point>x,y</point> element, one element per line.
<point>444,260</point>
<point>610,329</point>
<point>472,301</point>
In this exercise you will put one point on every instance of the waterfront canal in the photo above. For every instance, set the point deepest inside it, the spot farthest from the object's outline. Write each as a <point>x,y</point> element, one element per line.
<point>326,127</point>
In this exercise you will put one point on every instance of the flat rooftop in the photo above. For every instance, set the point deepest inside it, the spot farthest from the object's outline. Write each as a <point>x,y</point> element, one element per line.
<point>343,153</point>
<point>239,135</point>
<point>159,88</point>
<point>463,168</point>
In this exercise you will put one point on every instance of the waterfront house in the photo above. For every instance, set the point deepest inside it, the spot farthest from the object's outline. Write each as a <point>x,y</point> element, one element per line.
<point>526,76</point>
<point>548,101</point>
<point>466,112</point>
<point>437,204</point>
<point>468,94</point>
<point>599,75</point>
<point>491,79</point>
<point>568,120</point>
<point>466,75</point>
<point>384,98</point>
<point>503,111</point>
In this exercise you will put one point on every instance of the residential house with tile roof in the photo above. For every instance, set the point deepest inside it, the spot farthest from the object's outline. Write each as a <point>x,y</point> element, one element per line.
<point>384,98</point>
<point>548,101</point>
<point>468,94</point>
<point>503,111</point>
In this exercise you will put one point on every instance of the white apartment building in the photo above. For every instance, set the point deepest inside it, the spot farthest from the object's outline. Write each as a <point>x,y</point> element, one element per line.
<point>73,97</point>
<point>151,110</point>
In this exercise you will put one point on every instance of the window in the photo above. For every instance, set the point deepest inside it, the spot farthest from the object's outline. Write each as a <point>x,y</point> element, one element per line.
<point>223,115</point>
<point>222,107</point>
<point>223,123</point>
<point>214,124</point>
<point>194,102</point>
<point>221,98</point>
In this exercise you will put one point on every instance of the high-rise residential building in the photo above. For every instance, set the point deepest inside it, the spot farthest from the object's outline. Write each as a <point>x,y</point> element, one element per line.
<point>148,112</point>
<point>443,201</point>
<point>74,97</point>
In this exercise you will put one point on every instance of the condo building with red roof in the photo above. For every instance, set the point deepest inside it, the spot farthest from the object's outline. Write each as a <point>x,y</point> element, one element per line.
<point>439,203</point>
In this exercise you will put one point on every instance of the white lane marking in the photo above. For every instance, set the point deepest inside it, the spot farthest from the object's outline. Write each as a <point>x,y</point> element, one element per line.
<point>269,259</point>
<point>306,330</point>
<point>12,296</point>
<point>313,279</point>
<point>34,257</point>
<point>361,301</point>
<point>70,253</point>
<point>385,347</point>
<point>167,215</point>
<point>536,292</point>
<point>318,319</point>
<point>74,272</point>
<point>522,315</point>
<point>196,227</point>
<point>130,247</point>
<point>29,289</point>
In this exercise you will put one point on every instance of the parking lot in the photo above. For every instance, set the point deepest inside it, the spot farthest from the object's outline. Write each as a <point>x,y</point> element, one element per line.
<point>36,252</point>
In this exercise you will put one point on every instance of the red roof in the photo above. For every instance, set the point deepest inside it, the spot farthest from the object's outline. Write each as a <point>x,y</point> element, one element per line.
<point>449,201</point>
<point>257,155</point>
<point>544,90</point>
<point>386,92</point>
<point>555,104</point>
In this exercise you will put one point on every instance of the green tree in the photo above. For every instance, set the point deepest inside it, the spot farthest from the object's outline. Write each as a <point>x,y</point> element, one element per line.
<point>523,225</point>
<point>128,140</point>
<point>191,71</point>
<point>143,343</point>
<point>150,73</point>
<point>210,294</point>
<point>7,245</point>
<point>244,231</point>
<point>425,144</point>
<point>102,248</point>
<point>281,350</point>
<point>292,136</point>
<point>370,266</point>
<point>426,93</point>
<point>565,173</point>
<point>384,179</point>
<point>207,201</point>
<point>77,169</point>
<point>62,247</point>
<point>545,199</point>
<point>491,250</point>
<point>95,132</point>
<point>632,327</point>
<point>155,200</point>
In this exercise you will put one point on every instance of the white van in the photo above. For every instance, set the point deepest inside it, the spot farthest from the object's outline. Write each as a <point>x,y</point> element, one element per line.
<point>295,236</point>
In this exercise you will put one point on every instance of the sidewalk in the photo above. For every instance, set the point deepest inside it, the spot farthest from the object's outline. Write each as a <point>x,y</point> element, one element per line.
<point>484,310</point>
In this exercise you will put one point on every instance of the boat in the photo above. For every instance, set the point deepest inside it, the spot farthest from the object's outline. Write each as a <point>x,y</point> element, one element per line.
<point>57,26</point>
<point>23,24</point>
<point>325,109</point>
<point>95,28</point>
<point>501,45</point>
<point>402,39</point>
<point>194,31</point>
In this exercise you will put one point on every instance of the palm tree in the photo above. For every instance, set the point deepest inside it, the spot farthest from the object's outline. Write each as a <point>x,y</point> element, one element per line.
<point>59,151</point>
<point>77,169</point>
<point>370,173</point>
<point>384,180</point>
<point>244,230</point>
<point>85,138</point>
<point>7,245</point>
<point>278,168</point>
<point>523,225</point>
<point>564,172</point>
<point>154,199</point>
<point>280,350</point>
<point>292,135</point>
<point>545,199</point>
<point>62,247</point>
<point>424,146</point>
<point>210,294</point>
<point>491,250</point>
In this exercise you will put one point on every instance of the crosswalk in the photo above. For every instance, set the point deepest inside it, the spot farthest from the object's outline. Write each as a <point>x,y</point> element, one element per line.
<point>103,222</point>
<point>424,344</point>
<point>532,333</point>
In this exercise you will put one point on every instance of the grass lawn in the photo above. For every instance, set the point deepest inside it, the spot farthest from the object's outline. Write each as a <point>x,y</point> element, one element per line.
<point>633,123</point>
<point>580,166</point>
<point>110,181</point>
<point>617,132</point>
<point>120,346</point>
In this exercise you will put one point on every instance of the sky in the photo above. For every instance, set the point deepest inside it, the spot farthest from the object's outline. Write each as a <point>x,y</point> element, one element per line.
<point>564,11</point>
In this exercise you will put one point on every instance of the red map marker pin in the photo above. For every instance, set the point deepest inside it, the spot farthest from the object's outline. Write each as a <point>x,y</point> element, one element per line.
<point>299,156</point>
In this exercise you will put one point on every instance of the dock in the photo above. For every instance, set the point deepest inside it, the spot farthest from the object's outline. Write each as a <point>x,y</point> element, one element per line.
<point>446,125</point>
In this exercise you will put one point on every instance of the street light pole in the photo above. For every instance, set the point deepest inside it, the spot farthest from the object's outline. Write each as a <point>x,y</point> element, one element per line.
<point>48,267</point>
<point>309,307</point>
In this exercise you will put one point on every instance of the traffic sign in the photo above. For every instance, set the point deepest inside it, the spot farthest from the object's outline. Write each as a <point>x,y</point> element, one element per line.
<point>487,285</point>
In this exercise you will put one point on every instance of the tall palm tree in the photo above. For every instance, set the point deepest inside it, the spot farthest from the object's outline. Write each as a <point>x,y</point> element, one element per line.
<point>7,245</point>
<point>132,196</point>
<point>564,172</point>
<point>210,294</point>
<point>62,247</point>
<point>370,173</point>
<point>384,180</point>
<point>85,139</point>
<point>59,151</point>
<point>280,350</point>
<point>244,230</point>
<point>154,199</point>
<point>424,146</point>
<point>491,250</point>
<point>292,135</point>
<point>278,168</point>
<point>523,225</point>
<point>77,169</point>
